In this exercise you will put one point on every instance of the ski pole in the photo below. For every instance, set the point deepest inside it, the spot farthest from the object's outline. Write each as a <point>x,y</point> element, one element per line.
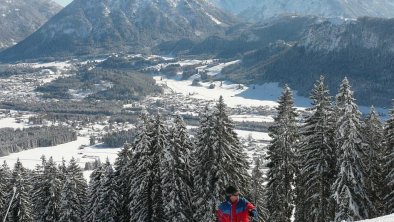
<point>9,206</point>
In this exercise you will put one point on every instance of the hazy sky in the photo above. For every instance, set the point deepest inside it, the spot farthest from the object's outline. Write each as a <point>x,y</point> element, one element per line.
<point>63,2</point>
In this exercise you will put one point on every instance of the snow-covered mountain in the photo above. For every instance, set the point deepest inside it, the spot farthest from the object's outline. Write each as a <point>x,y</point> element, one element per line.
<point>266,9</point>
<point>20,18</point>
<point>91,26</point>
<point>364,33</point>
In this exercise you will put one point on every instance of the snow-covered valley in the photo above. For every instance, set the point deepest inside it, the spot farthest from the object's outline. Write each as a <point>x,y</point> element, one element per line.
<point>254,104</point>
<point>247,106</point>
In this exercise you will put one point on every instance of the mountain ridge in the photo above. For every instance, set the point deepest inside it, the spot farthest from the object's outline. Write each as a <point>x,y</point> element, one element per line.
<point>93,26</point>
<point>253,10</point>
<point>362,50</point>
<point>20,18</point>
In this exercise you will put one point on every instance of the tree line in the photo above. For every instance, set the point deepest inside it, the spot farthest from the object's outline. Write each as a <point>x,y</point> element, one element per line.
<point>332,165</point>
<point>16,140</point>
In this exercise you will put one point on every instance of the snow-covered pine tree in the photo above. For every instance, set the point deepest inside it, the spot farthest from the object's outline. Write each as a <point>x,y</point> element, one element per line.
<point>121,177</point>
<point>389,163</point>
<point>142,177</point>
<point>63,172</point>
<point>316,157</point>
<point>176,174</point>
<point>281,154</point>
<point>38,194</point>
<point>206,192</point>
<point>97,163</point>
<point>108,210</point>
<point>21,207</point>
<point>185,147</point>
<point>92,209</point>
<point>69,202</point>
<point>5,176</point>
<point>230,150</point>
<point>220,162</point>
<point>301,212</point>
<point>258,192</point>
<point>349,188</point>
<point>50,192</point>
<point>159,142</point>
<point>374,159</point>
<point>76,178</point>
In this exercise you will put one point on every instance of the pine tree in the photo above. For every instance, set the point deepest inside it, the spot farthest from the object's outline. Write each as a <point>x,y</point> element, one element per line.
<point>350,191</point>
<point>92,209</point>
<point>121,177</point>
<point>374,158</point>
<point>108,196</point>
<point>185,147</point>
<point>69,202</point>
<point>50,192</point>
<point>281,154</point>
<point>5,176</point>
<point>176,174</point>
<point>389,164</point>
<point>228,144</point>
<point>159,143</point>
<point>63,171</point>
<point>220,162</point>
<point>21,206</point>
<point>317,160</point>
<point>38,184</point>
<point>205,201</point>
<point>76,178</point>
<point>142,177</point>
<point>258,192</point>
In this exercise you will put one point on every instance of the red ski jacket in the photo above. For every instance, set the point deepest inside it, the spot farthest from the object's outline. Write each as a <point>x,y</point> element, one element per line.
<point>236,212</point>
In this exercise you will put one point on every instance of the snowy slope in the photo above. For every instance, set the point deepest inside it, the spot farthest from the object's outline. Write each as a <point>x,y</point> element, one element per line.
<point>388,218</point>
<point>266,9</point>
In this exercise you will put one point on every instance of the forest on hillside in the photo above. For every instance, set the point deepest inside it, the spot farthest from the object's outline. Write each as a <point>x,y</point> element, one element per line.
<point>101,84</point>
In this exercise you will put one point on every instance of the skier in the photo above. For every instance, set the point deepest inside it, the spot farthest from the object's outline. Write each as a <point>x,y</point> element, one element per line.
<point>236,208</point>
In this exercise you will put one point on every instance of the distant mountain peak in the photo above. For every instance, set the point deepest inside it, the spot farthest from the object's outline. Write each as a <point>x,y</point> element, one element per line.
<point>266,9</point>
<point>95,26</point>
<point>20,18</point>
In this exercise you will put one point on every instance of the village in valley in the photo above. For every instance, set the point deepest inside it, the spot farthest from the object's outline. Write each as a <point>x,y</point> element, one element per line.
<point>180,96</point>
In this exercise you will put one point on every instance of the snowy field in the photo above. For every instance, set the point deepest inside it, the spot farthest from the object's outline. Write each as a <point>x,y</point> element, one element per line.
<point>253,134</point>
<point>252,96</point>
<point>388,218</point>
<point>231,94</point>
<point>30,158</point>
<point>12,123</point>
<point>252,118</point>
